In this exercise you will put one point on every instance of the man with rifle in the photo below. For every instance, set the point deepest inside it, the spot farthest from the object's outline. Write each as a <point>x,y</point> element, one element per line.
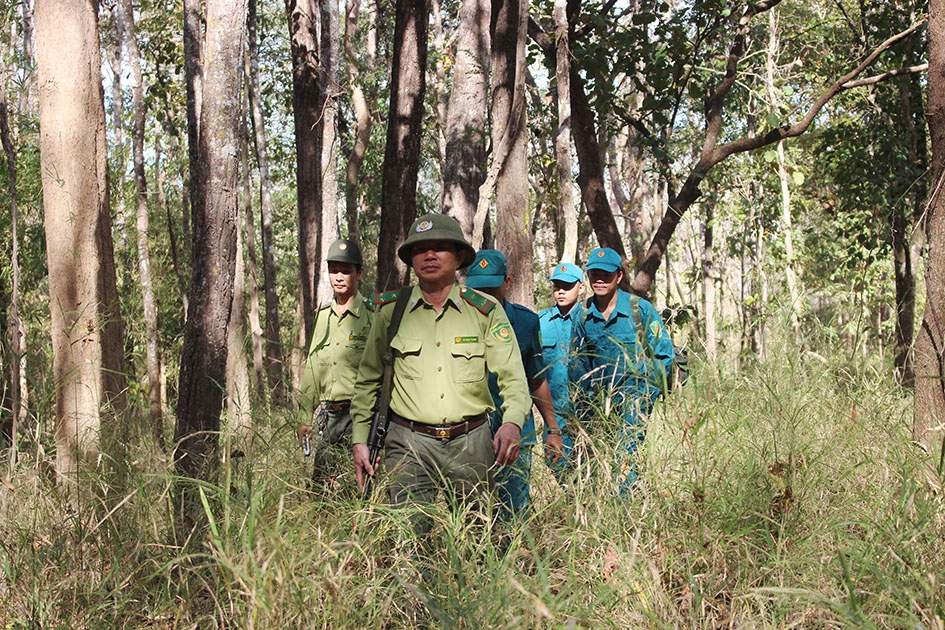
<point>440,354</point>
<point>340,331</point>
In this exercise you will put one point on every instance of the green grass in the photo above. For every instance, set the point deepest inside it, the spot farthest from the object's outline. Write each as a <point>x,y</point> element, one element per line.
<point>783,494</point>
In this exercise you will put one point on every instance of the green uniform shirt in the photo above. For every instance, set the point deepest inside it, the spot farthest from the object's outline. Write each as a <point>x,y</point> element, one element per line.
<point>337,343</point>
<point>442,363</point>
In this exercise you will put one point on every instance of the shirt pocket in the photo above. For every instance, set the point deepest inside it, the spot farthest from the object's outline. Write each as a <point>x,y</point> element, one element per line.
<point>468,364</point>
<point>354,349</point>
<point>407,363</point>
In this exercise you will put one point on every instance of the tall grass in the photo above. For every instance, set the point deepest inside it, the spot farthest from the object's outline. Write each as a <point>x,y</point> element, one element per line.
<point>781,494</point>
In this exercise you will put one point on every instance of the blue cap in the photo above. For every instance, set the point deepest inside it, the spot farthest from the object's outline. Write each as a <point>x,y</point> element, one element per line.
<point>488,271</point>
<point>567,272</point>
<point>603,258</point>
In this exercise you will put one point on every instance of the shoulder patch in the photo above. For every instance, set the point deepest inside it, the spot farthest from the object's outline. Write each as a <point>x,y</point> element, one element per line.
<point>324,305</point>
<point>477,300</point>
<point>387,297</point>
<point>368,304</point>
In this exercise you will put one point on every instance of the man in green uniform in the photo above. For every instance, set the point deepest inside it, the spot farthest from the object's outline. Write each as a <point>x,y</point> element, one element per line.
<point>340,331</point>
<point>448,341</point>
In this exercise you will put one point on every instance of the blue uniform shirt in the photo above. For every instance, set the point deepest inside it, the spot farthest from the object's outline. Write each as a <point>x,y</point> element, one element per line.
<point>556,346</point>
<point>528,333</point>
<point>608,353</point>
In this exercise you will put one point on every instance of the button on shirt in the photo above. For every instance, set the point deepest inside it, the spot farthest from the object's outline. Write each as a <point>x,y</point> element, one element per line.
<point>556,346</point>
<point>335,352</point>
<point>607,353</point>
<point>528,333</point>
<point>441,364</point>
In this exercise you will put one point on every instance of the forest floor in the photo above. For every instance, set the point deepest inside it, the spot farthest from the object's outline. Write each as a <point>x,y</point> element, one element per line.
<point>785,493</point>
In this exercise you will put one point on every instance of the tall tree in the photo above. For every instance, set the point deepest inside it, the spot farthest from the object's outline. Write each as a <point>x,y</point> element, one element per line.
<point>204,353</point>
<point>509,169</point>
<point>274,355</point>
<point>713,153</point>
<point>467,118</point>
<point>142,223</point>
<point>566,206</point>
<point>307,109</point>
<point>13,348</point>
<point>86,327</point>
<point>330,51</point>
<point>929,418</point>
<point>404,129</point>
<point>363,119</point>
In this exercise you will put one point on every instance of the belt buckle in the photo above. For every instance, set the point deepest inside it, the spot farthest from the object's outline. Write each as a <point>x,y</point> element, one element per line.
<point>442,433</point>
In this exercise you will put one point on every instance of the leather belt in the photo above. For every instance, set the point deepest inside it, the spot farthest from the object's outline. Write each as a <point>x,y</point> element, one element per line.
<point>335,406</point>
<point>442,431</point>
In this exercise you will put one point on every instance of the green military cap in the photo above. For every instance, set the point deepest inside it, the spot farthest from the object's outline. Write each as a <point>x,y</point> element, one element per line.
<point>344,251</point>
<point>437,227</point>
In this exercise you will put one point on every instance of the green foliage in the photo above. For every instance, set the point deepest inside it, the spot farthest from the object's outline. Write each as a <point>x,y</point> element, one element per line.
<point>776,494</point>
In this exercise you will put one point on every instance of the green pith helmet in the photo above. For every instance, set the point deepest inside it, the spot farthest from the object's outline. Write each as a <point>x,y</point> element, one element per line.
<point>437,227</point>
<point>344,251</point>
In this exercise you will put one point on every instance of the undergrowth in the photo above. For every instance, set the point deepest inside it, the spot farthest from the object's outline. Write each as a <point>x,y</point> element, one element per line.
<point>779,494</point>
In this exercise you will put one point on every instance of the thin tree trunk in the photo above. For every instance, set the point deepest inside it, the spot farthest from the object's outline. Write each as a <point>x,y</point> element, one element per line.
<point>566,205</point>
<point>275,370</point>
<point>142,224</point>
<point>86,327</point>
<point>784,179</point>
<point>15,333</point>
<point>239,416</point>
<point>708,284</point>
<point>362,111</point>
<point>193,81</point>
<point>590,177</point>
<point>255,330</point>
<point>204,352</point>
<point>402,149</point>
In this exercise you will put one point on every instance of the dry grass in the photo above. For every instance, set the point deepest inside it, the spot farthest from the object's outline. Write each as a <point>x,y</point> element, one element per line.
<point>781,495</point>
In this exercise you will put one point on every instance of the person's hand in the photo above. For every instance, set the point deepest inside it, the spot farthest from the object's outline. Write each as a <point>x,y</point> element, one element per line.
<point>506,444</point>
<point>363,467</point>
<point>554,446</point>
<point>302,431</point>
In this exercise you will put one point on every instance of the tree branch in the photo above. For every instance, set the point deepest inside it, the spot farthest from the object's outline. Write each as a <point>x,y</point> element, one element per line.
<point>879,78</point>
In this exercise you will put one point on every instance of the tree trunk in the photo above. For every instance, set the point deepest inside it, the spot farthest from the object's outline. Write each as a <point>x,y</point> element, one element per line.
<point>708,284</point>
<point>513,229</point>
<point>239,418</point>
<point>306,107</point>
<point>13,361</point>
<point>362,110</point>
<point>86,325</point>
<point>465,156</point>
<point>330,47</point>
<point>913,114</point>
<point>404,129</point>
<point>590,177</point>
<point>142,224</point>
<point>566,206</point>
<point>204,352</point>
<point>193,82</point>
<point>275,369</point>
<point>255,330</point>
<point>929,418</point>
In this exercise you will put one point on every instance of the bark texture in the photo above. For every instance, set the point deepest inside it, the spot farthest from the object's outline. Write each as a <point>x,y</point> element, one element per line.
<point>402,151</point>
<point>929,418</point>
<point>86,326</point>
<point>204,354</point>
<point>306,108</point>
